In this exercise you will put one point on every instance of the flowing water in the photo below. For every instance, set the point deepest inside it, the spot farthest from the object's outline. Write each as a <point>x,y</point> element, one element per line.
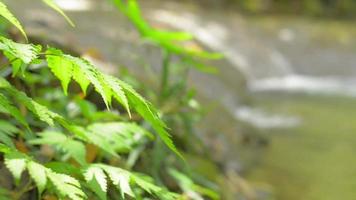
<point>291,79</point>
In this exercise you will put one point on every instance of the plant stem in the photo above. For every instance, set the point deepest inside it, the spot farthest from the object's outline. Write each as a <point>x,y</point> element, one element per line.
<point>164,74</point>
<point>23,190</point>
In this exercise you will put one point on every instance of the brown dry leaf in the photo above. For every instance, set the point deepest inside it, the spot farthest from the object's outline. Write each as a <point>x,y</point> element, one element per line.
<point>21,146</point>
<point>92,152</point>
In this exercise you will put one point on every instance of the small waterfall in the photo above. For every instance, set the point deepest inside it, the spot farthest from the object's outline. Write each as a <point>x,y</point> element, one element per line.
<point>218,37</point>
<point>268,61</point>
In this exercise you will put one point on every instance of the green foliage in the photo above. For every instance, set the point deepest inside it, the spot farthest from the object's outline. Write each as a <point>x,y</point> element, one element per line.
<point>107,86</point>
<point>19,55</point>
<point>7,107</point>
<point>38,174</point>
<point>189,187</point>
<point>7,130</point>
<point>123,180</point>
<point>167,40</point>
<point>70,146</point>
<point>42,112</point>
<point>65,185</point>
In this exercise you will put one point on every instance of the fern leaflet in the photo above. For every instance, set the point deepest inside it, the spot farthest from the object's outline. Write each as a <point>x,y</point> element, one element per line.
<point>108,87</point>
<point>55,7</point>
<point>71,147</point>
<point>124,180</point>
<point>66,186</point>
<point>20,55</point>
<point>5,12</point>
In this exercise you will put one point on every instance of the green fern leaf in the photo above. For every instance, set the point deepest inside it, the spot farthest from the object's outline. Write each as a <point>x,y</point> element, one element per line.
<point>20,55</point>
<point>49,137</point>
<point>123,129</point>
<point>95,77</point>
<point>42,112</point>
<point>4,138</point>
<point>145,183</point>
<point>61,68</point>
<point>25,52</point>
<point>94,173</point>
<point>96,180</point>
<point>101,142</point>
<point>122,136</point>
<point>119,178</point>
<point>124,180</point>
<point>5,12</point>
<point>118,92</point>
<point>6,131</point>
<point>74,149</point>
<point>108,87</point>
<point>188,186</point>
<point>16,163</point>
<point>8,128</point>
<point>38,174</point>
<point>66,185</point>
<point>149,113</point>
<point>55,7</point>
<point>7,107</point>
<point>81,78</point>
<point>84,73</point>
<point>5,149</point>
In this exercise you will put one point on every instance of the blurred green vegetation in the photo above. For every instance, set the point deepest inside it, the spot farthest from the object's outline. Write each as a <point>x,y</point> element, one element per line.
<point>330,8</point>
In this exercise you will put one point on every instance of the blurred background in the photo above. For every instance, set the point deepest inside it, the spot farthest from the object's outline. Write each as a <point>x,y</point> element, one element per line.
<point>279,116</point>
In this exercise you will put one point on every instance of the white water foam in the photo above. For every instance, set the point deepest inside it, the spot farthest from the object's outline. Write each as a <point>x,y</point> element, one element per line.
<point>264,120</point>
<point>307,84</point>
<point>77,5</point>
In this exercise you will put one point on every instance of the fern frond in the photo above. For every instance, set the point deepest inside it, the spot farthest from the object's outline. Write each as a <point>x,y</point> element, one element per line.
<point>6,13</point>
<point>98,174</point>
<point>55,7</point>
<point>108,87</point>
<point>74,148</point>
<point>7,130</point>
<point>124,180</point>
<point>165,39</point>
<point>84,73</point>
<point>189,187</point>
<point>65,68</point>
<point>121,135</point>
<point>120,178</point>
<point>149,113</point>
<point>38,174</point>
<point>94,76</point>
<point>118,92</point>
<point>7,107</point>
<point>42,112</point>
<point>66,186</point>
<point>61,68</point>
<point>20,55</point>
<point>16,163</point>
<point>71,147</point>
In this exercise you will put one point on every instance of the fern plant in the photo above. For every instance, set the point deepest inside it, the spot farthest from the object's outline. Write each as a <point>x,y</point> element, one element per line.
<point>87,153</point>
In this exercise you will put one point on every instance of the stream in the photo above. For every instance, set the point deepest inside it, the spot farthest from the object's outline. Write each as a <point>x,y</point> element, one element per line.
<point>290,80</point>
